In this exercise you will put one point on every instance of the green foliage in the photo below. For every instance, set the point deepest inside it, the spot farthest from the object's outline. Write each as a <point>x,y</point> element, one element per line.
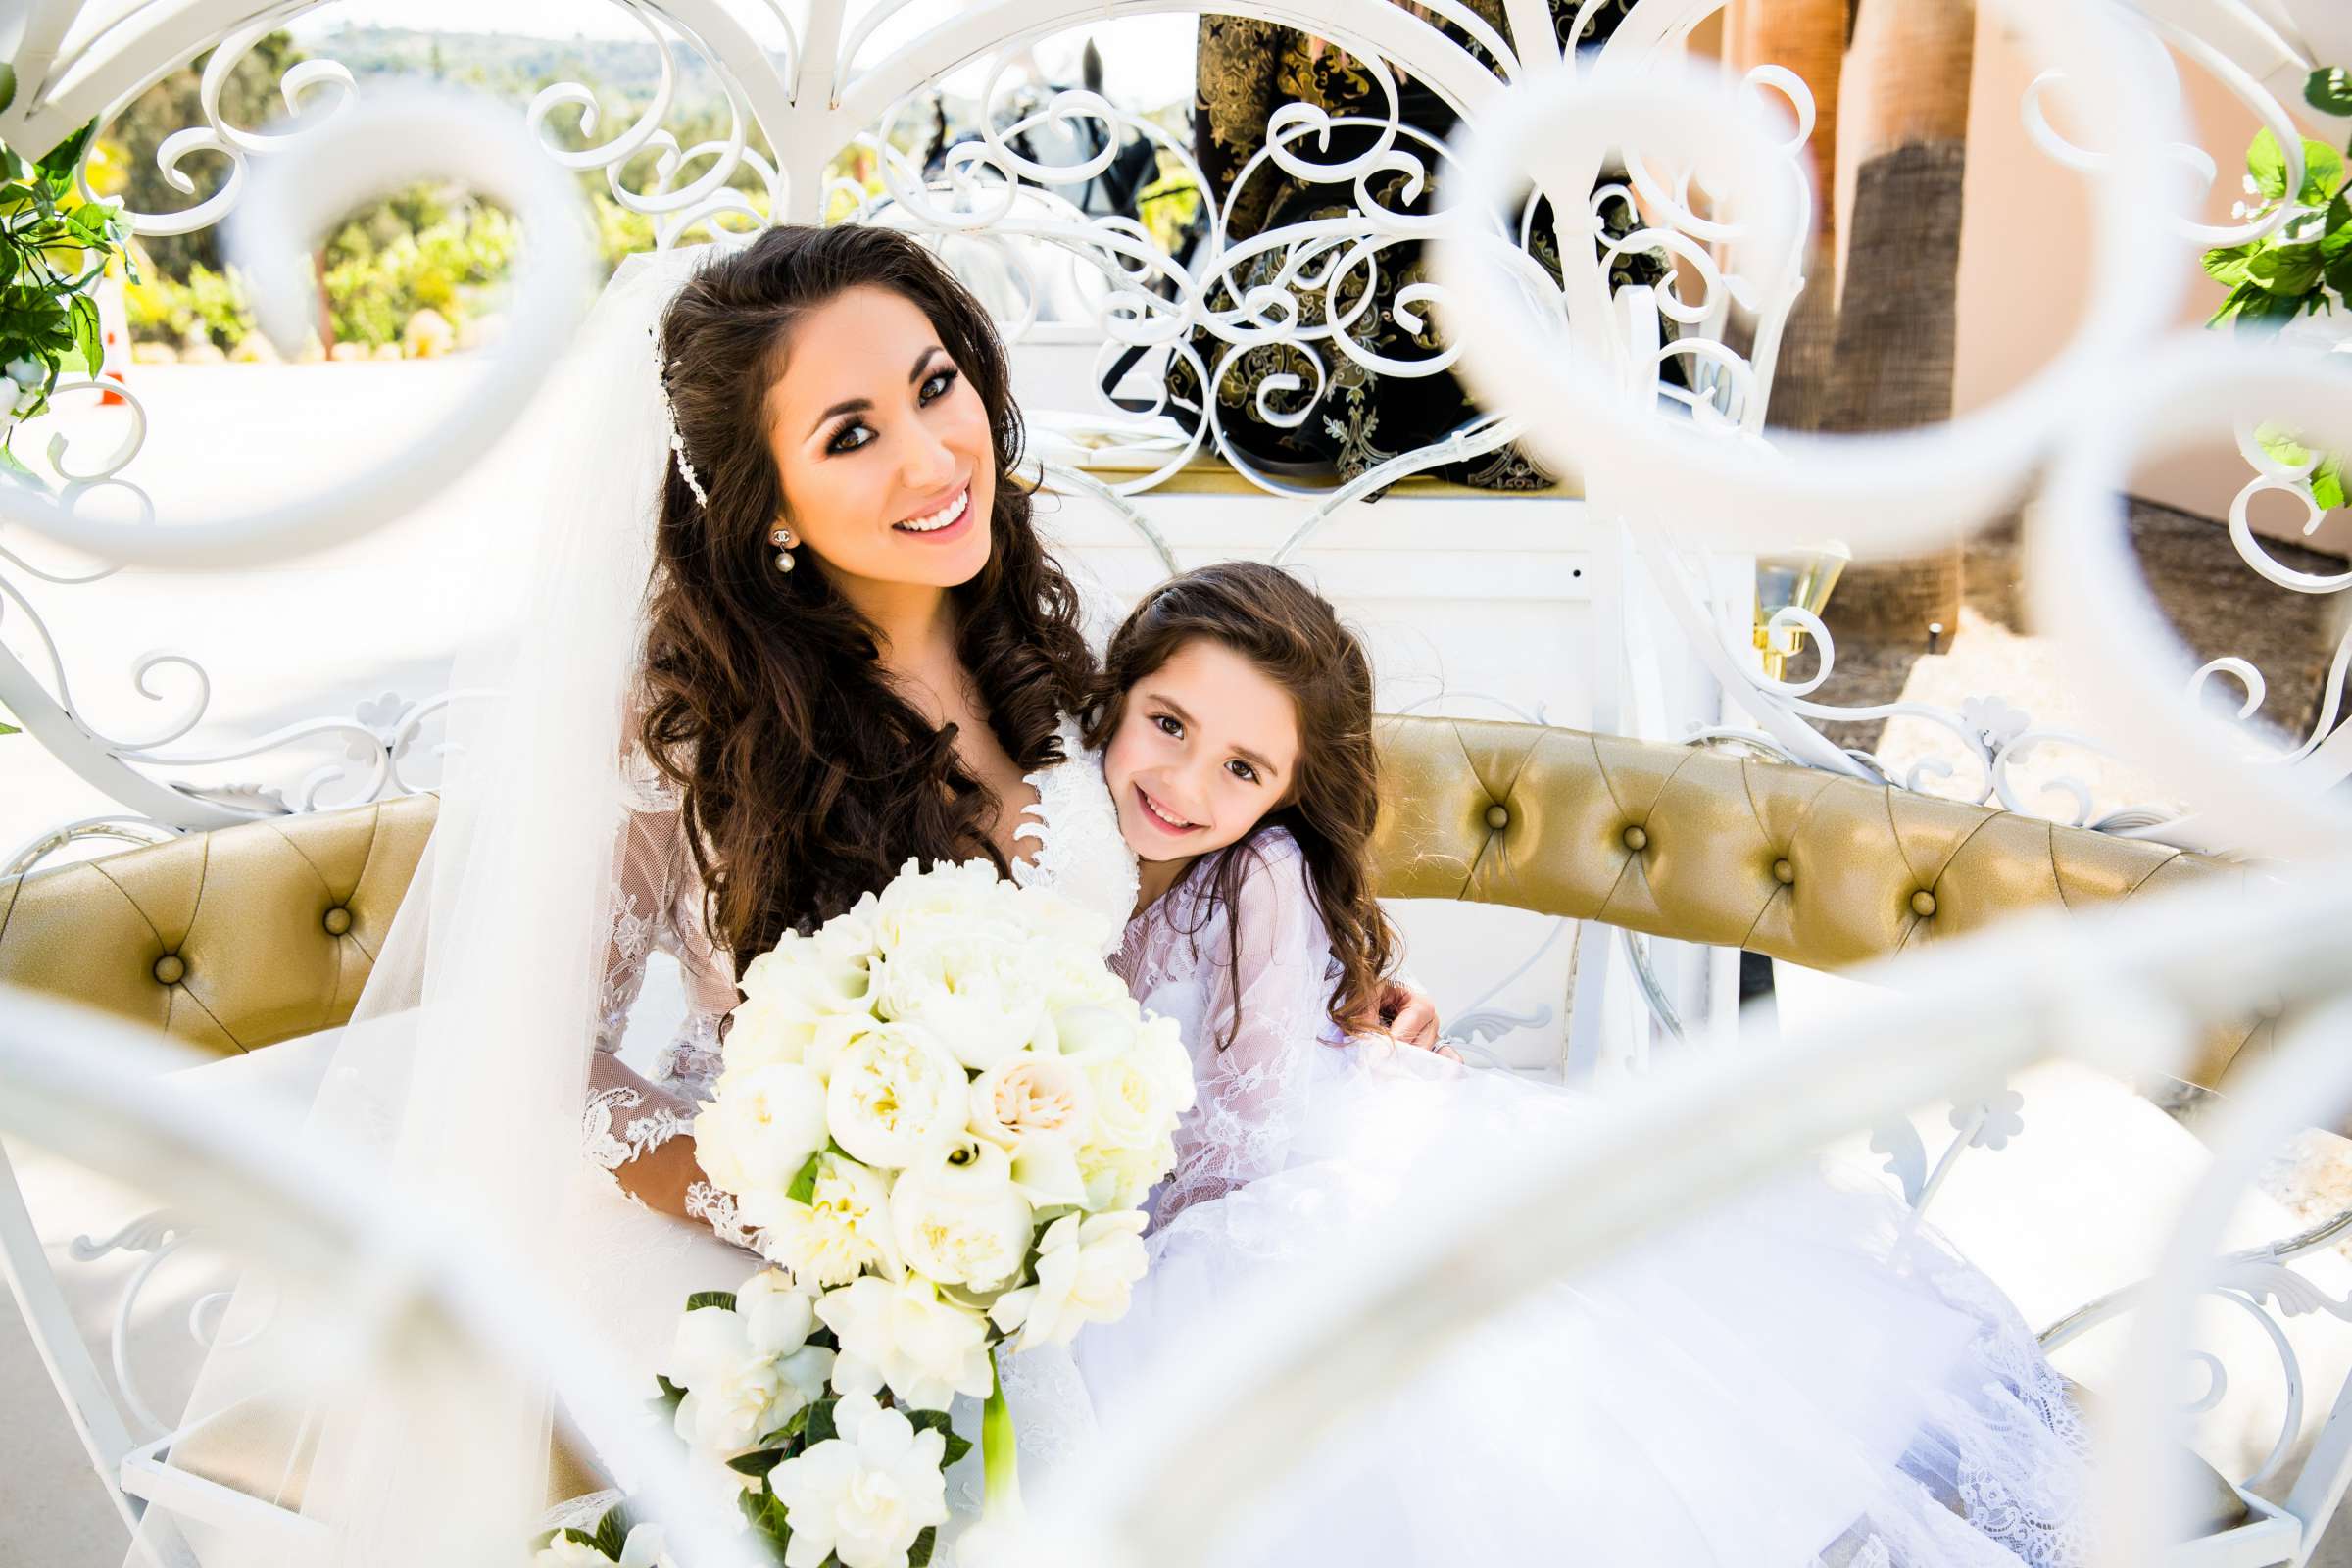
<point>54,247</point>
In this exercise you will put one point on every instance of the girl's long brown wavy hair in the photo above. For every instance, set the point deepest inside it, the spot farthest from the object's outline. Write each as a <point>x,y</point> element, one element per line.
<point>809,777</point>
<point>1293,634</point>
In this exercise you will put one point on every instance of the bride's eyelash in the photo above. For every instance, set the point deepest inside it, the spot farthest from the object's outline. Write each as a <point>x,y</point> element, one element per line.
<point>833,446</point>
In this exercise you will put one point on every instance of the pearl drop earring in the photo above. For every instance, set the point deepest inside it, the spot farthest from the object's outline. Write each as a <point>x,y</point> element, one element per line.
<point>783,539</point>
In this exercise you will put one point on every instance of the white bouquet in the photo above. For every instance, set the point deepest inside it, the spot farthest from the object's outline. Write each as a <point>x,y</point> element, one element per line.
<point>940,1112</point>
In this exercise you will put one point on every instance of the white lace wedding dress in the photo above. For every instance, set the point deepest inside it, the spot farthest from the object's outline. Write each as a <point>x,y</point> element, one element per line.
<point>1803,1380</point>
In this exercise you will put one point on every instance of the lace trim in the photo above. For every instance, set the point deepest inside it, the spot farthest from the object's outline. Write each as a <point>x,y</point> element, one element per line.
<point>717,1209</point>
<point>1081,854</point>
<point>612,1149</point>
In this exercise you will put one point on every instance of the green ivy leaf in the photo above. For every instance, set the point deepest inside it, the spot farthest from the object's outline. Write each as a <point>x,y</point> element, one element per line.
<point>2327,482</point>
<point>2261,312</point>
<point>671,1395</point>
<point>2266,161</point>
<point>918,1555</point>
<point>2230,265</point>
<point>803,1183</point>
<point>790,1430</point>
<point>820,1425</point>
<point>2322,169</point>
<point>88,336</point>
<point>6,728</point>
<point>580,1535</point>
<point>2328,90</point>
<point>702,1299</point>
<point>757,1463</point>
<point>937,1421</point>
<point>57,164</point>
<point>2280,445</point>
<point>2286,269</point>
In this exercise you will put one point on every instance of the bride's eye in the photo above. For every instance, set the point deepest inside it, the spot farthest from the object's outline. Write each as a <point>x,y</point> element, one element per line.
<point>943,380</point>
<point>1167,725</point>
<point>835,446</point>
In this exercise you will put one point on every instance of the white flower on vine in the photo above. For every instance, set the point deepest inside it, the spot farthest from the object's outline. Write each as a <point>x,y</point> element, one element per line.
<point>2002,1119</point>
<point>1995,719</point>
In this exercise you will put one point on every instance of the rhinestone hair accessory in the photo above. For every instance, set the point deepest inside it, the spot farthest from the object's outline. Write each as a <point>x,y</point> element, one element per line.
<point>678,442</point>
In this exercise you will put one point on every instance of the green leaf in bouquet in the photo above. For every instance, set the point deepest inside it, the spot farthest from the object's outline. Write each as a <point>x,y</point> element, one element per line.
<point>8,85</point>
<point>820,1422</point>
<point>719,1298</point>
<point>790,1430</point>
<point>2266,161</point>
<point>766,1516</point>
<point>803,1183</point>
<point>757,1463</point>
<point>918,1555</point>
<point>541,1540</point>
<point>937,1421</point>
<point>2329,89</point>
<point>584,1538</point>
<point>613,1531</point>
<point>669,1396</point>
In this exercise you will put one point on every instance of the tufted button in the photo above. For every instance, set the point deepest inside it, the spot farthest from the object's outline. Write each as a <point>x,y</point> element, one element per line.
<point>338,921</point>
<point>169,969</point>
<point>1498,816</point>
<point>1923,903</point>
<point>1783,873</point>
<point>1637,839</point>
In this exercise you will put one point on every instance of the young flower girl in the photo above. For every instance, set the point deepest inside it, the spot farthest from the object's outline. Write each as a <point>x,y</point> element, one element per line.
<point>1802,1379</point>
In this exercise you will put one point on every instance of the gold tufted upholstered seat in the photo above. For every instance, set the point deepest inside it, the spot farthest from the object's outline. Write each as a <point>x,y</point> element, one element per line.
<point>245,935</point>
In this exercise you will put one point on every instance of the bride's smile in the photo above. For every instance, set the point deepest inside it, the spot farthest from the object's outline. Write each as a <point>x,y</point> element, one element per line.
<point>882,443</point>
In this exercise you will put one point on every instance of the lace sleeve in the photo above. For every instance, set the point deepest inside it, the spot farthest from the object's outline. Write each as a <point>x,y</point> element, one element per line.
<point>1266,1002</point>
<point>640,1130</point>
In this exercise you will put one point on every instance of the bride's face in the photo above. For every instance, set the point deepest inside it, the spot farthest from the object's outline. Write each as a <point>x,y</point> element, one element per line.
<point>883,446</point>
<point>1206,746</point>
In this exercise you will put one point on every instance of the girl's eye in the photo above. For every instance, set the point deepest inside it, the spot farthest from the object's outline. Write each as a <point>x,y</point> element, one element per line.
<point>1243,770</point>
<point>942,379</point>
<point>1167,725</point>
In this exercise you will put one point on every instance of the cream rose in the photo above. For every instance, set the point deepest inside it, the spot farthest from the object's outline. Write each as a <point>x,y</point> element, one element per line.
<point>1029,1098</point>
<point>1087,1266</point>
<point>959,1220</point>
<point>841,1232</point>
<point>904,1336</point>
<point>1129,1110</point>
<point>762,1129</point>
<point>1121,1177</point>
<point>893,1096</point>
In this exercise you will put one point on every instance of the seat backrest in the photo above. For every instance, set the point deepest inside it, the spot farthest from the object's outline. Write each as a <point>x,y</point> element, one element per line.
<point>245,935</point>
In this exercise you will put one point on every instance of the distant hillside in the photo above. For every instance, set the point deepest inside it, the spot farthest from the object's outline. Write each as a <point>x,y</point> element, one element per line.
<point>512,64</point>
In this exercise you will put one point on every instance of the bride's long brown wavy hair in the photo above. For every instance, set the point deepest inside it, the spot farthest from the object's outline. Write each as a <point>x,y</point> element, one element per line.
<point>809,777</point>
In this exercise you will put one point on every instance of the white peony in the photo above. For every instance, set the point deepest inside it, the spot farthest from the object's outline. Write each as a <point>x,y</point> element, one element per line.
<point>843,1231</point>
<point>1130,1110</point>
<point>1089,1032</point>
<point>971,981</point>
<point>865,1495</point>
<point>787,992</point>
<point>1067,923</point>
<point>755,1137</point>
<point>893,1096</point>
<point>1120,1176</point>
<point>959,1220</point>
<point>950,893</point>
<point>746,1372</point>
<point>1159,1050</point>
<point>1087,1266</point>
<point>904,1336</point>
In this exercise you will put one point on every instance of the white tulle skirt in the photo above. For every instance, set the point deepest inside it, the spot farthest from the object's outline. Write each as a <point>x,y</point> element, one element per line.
<point>1797,1379</point>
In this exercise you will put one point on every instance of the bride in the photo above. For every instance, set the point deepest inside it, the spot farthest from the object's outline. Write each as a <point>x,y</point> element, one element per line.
<point>787,622</point>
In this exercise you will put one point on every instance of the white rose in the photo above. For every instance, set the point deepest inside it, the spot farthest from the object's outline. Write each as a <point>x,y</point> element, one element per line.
<point>746,1372</point>
<point>1159,1050</point>
<point>1068,923</point>
<point>893,1096</point>
<point>1121,1177</point>
<point>840,1233</point>
<point>1091,1032</point>
<point>1031,1097</point>
<point>762,1129</point>
<point>905,1338</point>
<point>970,982</point>
<point>1087,1266</point>
<point>959,1220</point>
<point>865,1495</point>
<point>852,932</point>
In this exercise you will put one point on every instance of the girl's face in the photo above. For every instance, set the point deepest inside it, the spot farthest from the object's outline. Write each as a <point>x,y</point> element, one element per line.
<point>884,448</point>
<point>1208,745</point>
